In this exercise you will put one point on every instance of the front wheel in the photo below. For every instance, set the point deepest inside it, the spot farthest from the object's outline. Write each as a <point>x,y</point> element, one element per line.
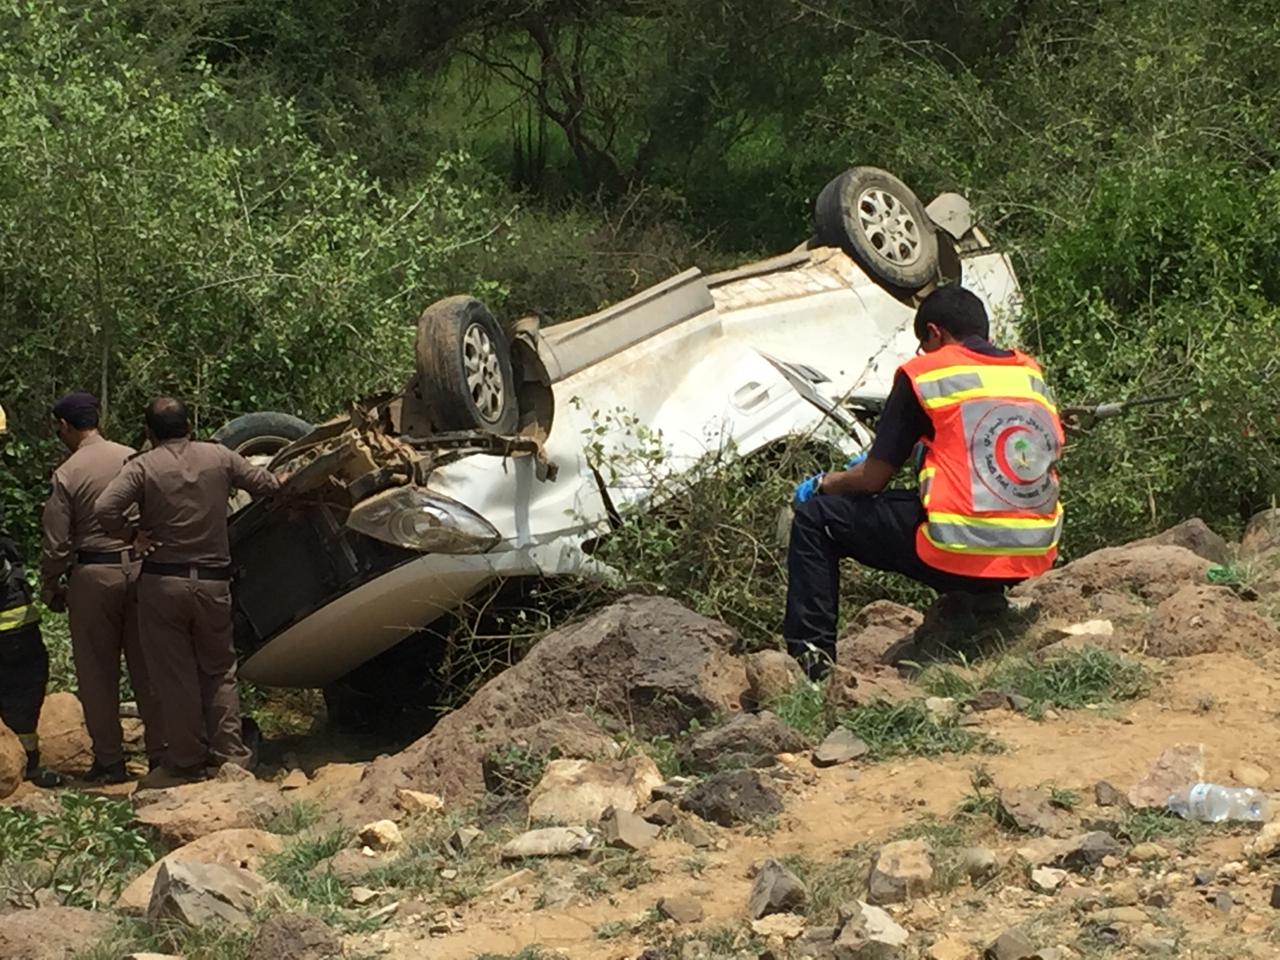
<point>878,221</point>
<point>258,437</point>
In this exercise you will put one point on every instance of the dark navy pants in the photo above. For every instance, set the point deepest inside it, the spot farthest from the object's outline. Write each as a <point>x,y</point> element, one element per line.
<point>878,531</point>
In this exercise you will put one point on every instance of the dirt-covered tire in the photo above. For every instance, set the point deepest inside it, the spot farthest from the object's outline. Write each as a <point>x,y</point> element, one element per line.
<point>876,219</point>
<point>261,435</point>
<point>464,367</point>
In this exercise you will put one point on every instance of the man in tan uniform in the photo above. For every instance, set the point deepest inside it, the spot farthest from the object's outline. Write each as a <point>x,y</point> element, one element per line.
<point>93,577</point>
<point>180,487</point>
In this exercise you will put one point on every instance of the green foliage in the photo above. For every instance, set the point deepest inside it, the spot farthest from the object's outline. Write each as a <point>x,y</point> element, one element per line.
<point>213,941</point>
<point>1072,680</point>
<point>84,852</point>
<point>908,729</point>
<point>293,870</point>
<point>804,708</point>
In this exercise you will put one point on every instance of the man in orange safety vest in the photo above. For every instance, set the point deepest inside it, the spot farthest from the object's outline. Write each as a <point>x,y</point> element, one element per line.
<point>986,515</point>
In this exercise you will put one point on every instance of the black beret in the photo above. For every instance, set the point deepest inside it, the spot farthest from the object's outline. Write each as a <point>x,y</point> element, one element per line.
<point>74,404</point>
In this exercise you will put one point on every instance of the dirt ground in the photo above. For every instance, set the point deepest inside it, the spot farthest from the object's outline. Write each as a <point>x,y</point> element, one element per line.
<point>1228,702</point>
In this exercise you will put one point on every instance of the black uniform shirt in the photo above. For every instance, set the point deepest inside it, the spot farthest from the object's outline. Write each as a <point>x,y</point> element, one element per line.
<point>903,423</point>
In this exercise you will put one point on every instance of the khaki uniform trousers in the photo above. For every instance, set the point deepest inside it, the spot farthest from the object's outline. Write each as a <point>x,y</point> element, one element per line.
<point>186,635</point>
<point>103,620</point>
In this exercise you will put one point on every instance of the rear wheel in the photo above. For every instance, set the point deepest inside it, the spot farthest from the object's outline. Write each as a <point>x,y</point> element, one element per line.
<point>876,219</point>
<point>464,367</point>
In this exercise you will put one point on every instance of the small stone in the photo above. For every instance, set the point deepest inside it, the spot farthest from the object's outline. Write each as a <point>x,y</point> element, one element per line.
<point>979,863</point>
<point>234,773</point>
<point>1051,714</point>
<point>1250,775</point>
<point>1174,769</point>
<point>682,909</point>
<point>1223,901</point>
<point>1030,811</point>
<point>900,871</point>
<point>950,948</point>
<point>1019,703</point>
<point>985,700</point>
<point>361,896</point>
<point>416,803</point>
<point>695,950</point>
<point>463,837</point>
<point>1266,842</point>
<point>1013,944</point>
<point>840,746</point>
<point>1111,862</point>
<point>1204,877</point>
<point>1047,880</point>
<point>1105,795</point>
<point>381,835</point>
<point>1156,946</point>
<point>694,835</point>
<point>661,812</point>
<point>1091,849</point>
<point>295,780</point>
<point>733,798</point>
<point>627,831</point>
<point>869,933</point>
<point>942,709</point>
<point>1147,852</point>
<point>1122,894</point>
<point>786,926</point>
<point>776,890</point>
<point>449,874</point>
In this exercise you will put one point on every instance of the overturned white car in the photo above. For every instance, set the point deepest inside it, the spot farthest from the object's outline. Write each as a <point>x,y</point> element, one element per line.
<point>399,511</point>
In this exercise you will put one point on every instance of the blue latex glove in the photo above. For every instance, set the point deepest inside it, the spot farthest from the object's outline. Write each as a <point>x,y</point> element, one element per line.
<point>856,459</point>
<point>807,489</point>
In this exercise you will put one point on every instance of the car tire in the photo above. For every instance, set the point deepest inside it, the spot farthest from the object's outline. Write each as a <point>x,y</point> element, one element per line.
<point>877,220</point>
<point>464,367</point>
<point>261,435</point>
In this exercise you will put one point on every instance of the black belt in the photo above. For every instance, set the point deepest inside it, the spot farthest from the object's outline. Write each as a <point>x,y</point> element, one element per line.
<point>189,570</point>
<point>90,557</point>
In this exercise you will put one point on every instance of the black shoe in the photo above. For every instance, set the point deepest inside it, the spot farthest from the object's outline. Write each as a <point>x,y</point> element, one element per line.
<point>107,773</point>
<point>162,778</point>
<point>44,778</point>
<point>816,663</point>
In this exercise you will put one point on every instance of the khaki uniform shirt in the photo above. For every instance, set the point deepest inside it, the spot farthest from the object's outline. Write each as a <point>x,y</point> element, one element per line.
<point>181,489</point>
<point>69,523</point>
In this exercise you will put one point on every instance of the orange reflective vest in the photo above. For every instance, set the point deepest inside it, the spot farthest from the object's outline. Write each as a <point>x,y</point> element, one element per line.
<point>988,483</point>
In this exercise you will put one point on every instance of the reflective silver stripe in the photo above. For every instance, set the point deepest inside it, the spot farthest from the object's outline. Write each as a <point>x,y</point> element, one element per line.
<point>988,537</point>
<point>1040,387</point>
<point>945,386</point>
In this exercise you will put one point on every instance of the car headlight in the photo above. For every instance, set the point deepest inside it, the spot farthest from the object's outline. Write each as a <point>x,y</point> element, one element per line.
<point>410,517</point>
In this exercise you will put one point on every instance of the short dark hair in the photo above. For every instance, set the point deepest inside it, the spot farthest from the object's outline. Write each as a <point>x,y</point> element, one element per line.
<point>954,309</point>
<point>79,409</point>
<point>167,418</point>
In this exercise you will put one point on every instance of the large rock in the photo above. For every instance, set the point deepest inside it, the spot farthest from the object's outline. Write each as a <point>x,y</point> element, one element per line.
<point>776,890</point>
<point>13,761</point>
<point>64,739</point>
<point>246,849</point>
<point>1028,810</point>
<point>549,842</point>
<point>645,660</point>
<point>1115,583</point>
<point>1204,619</point>
<point>770,676</point>
<point>295,936</point>
<point>51,933</point>
<point>1193,535</point>
<point>579,791</point>
<point>198,893</point>
<point>733,797</point>
<point>1179,766</point>
<point>747,740</point>
<point>847,689</point>
<point>901,871</point>
<point>1262,535</point>
<point>880,634</point>
<point>194,810</point>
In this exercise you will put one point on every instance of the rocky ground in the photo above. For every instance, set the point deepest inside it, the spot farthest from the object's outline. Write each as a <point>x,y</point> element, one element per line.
<point>963,786</point>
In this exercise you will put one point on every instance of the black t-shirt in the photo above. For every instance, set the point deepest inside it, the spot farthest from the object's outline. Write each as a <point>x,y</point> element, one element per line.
<point>903,422</point>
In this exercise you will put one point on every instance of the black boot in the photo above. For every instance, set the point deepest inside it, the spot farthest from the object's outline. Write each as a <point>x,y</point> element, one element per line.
<point>107,773</point>
<point>41,776</point>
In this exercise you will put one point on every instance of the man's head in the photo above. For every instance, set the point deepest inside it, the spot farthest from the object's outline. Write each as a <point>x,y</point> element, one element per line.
<point>949,315</point>
<point>167,419</point>
<point>75,417</point>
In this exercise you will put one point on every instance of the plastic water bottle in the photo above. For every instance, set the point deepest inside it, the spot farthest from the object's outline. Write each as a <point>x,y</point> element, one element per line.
<point>1214,803</point>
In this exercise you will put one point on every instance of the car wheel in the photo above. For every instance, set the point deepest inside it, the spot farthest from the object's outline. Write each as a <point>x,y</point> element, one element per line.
<point>876,219</point>
<point>464,367</point>
<point>258,437</point>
